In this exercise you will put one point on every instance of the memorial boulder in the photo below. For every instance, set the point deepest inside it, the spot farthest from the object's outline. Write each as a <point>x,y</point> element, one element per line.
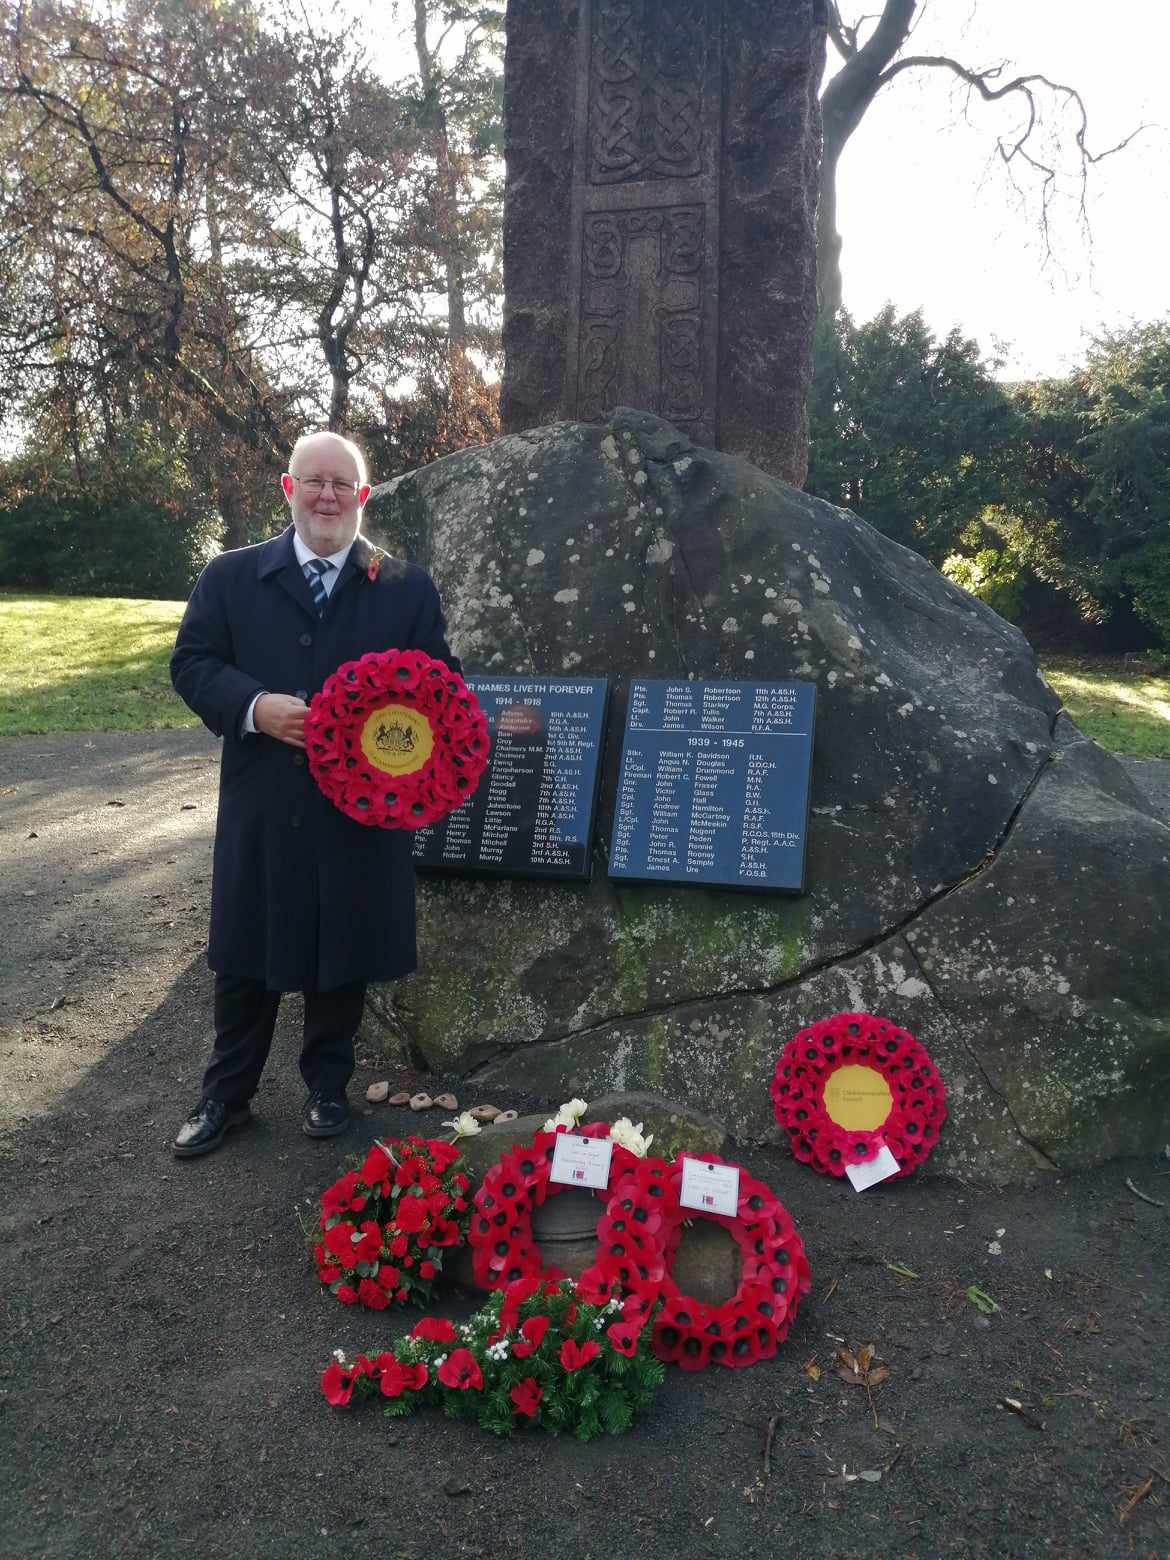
<point>976,869</point>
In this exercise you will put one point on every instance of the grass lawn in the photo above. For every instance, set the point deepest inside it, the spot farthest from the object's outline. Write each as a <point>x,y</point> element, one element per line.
<point>89,663</point>
<point>1123,706</point>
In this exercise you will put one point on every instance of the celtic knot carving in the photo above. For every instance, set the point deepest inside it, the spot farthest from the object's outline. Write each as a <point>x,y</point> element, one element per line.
<point>646,108</point>
<point>641,312</point>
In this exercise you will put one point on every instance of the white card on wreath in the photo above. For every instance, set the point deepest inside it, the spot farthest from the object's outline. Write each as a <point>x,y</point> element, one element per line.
<point>879,1168</point>
<point>709,1187</point>
<point>581,1161</point>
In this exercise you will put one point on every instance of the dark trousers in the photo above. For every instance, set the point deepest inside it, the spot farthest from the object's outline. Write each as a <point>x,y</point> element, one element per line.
<point>245,1017</point>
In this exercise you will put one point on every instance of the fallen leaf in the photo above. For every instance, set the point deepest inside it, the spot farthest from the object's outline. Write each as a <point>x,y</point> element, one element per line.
<point>981,1300</point>
<point>1134,1500</point>
<point>811,1369</point>
<point>877,1375</point>
<point>871,1475</point>
<point>1014,1406</point>
<point>902,1270</point>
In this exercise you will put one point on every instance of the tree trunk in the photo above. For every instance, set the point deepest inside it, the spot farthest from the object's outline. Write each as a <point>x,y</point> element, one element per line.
<point>447,226</point>
<point>828,239</point>
<point>843,105</point>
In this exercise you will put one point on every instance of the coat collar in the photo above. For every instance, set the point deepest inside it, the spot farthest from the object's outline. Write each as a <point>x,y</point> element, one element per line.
<point>278,557</point>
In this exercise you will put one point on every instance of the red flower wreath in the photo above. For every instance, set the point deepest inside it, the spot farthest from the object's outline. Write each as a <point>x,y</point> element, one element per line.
<point>639,1235</point>
<point>385,1226</point>
<point>918,1096</point>
<point>396,740</point>
<point>503,1249</point>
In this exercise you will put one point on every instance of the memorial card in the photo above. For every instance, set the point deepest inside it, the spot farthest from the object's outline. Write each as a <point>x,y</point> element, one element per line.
<point>581,1161</point>
<point>711,1188</point>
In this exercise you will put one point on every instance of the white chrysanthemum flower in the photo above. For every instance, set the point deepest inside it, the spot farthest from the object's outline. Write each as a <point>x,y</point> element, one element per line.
<point>573,1110</point>
<point>628,1136</point>
<point>464,1125</point>
<point>339,1356</point>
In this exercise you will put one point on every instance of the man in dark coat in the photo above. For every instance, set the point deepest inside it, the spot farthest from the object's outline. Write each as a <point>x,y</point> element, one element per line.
<point>303,898</point>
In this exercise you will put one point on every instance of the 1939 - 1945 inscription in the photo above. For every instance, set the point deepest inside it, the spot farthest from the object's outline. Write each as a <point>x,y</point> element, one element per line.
<point>714,784</point>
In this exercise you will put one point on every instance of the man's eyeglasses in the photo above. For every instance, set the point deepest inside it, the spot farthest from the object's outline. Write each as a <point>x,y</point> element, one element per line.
<point>313,487</point>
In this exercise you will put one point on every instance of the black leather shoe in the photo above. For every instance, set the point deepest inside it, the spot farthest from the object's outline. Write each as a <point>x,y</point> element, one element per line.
<point>205,1127</point>
<point>325,1115</point>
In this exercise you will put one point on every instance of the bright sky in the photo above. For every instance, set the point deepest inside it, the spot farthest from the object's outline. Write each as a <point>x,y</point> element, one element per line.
<point>927,215</point>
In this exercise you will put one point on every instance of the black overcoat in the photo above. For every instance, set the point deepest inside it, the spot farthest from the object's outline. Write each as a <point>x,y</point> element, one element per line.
<point>303,898</point>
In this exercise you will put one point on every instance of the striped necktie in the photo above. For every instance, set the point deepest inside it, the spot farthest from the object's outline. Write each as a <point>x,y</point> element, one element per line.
<point>315,570</point>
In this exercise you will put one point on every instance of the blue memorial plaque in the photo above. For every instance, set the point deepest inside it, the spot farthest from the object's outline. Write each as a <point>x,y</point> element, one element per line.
<point>532,813</point>
<point>714,784</point>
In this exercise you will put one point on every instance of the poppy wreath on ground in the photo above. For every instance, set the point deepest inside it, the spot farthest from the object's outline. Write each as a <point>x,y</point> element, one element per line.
<point>503,1248</point>
<point>554,1354</point>
<point>396,740</point>
<point>385,1226</point>
<point>641,1231</point>
<point>848,1085</point>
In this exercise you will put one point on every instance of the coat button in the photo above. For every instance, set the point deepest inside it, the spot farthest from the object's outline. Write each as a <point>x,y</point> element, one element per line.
<point>298,758</point>
<point>302,694</point>
<point>295,821</point>
<point>306,640</point>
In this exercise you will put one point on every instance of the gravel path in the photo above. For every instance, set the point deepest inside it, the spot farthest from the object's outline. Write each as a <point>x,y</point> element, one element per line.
<point>161,1333</point>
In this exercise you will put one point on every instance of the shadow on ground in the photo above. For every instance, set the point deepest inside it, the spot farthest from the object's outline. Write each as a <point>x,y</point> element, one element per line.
<point>163,1333</point>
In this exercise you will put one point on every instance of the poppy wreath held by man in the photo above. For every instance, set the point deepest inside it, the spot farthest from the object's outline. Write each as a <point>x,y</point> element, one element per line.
<point>396,739</point>
<point>639,1235</point>
<point>386,1225</point>
<point>854,1083</point>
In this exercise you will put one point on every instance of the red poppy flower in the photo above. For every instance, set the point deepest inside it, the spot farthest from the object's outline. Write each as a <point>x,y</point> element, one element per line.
<point>343,1196</point>
<point>398,1378</point>
<point>446,1232</point>
<point>410,1215</point>
<point>594,1289</point>
<point>624,1337</point>
<point>435,1329</point>
<point>373,1295</point>
<point>338,1243</point>
<point>427,1270</point>
<point>531,1337</point>
<point>346,1295</point>
<point>461,1371</point>
<point>526,1396</point>
<point>369,1247</point>
<point>327,1274</point>
<point>376,1166</point>
<point>573,1356</point>
<point>336,1384</point>
<point>443,1156</point>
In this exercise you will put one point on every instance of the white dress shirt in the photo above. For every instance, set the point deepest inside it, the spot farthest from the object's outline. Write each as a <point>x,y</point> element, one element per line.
<point>328,580</point>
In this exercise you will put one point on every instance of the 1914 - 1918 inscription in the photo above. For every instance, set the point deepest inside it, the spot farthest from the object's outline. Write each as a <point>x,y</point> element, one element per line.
<point>714,784</point>
<point>532,813</point>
